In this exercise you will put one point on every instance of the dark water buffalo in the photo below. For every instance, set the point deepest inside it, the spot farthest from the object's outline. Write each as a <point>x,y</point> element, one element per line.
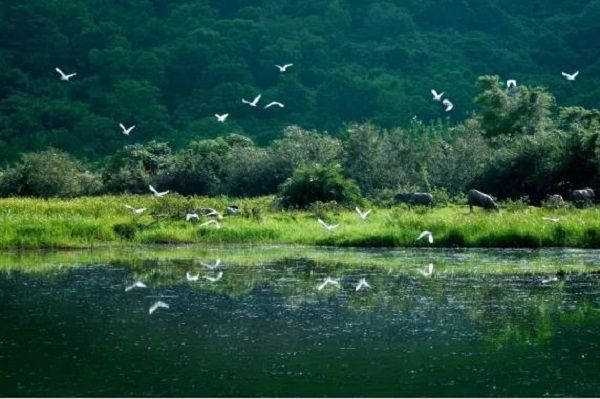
<point>585,196</point>
<point>415,198</point>
<point>477,198</point>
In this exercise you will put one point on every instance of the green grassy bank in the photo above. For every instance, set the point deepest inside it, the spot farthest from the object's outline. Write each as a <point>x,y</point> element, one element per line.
<point>95,221</point>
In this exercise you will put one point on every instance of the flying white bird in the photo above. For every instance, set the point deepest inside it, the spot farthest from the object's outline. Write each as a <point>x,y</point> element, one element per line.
<point>362,283</point>
<point>253,102</point>
<point>329,227</point>
<point>570,76</point>
<point>428,271</point>
<point>136,211</point>
<point>213,266</point>
<point>436,96</point>
<point>448,105</point>
<point>362,215</point>
<point>273,103</point>
<point>64,76</point>
<point>549,280</point>
<point>191,216</point>
<point>213,222</point>
<point>156,193</point>
<point>428,234</point>
<point>221,118</point>
<point>137,284</point>
<point>214,279</point>
<point>327,281</point>
<point>157,305</point>
<point>554,220</point>
<point>511,83</point>
<point>284,67</point>
<point>126,130</point>
<point>191,277</point>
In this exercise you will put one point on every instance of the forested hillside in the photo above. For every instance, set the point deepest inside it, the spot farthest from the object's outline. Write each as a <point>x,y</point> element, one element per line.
<point>167,66</point>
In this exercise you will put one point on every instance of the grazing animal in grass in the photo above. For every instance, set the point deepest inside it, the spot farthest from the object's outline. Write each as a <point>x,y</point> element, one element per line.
<point>477,198</point>
<point>583,197</point>
<point>415,198</point>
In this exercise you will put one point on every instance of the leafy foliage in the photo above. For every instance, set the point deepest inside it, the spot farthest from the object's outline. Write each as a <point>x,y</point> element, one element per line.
<point>319,183</point>
<point>168,66</point>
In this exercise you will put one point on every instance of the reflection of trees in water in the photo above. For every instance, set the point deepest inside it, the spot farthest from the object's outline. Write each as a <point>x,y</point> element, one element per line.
<point>503,309</point>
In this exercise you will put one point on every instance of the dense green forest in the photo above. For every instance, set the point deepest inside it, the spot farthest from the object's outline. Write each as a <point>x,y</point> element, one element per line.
<point>361,76</point>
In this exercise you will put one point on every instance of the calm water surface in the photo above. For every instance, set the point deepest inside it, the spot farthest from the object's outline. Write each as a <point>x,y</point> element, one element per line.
<point>265,330</point>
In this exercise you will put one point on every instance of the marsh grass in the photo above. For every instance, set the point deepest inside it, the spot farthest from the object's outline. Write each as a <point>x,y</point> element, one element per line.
<point>90,221</point>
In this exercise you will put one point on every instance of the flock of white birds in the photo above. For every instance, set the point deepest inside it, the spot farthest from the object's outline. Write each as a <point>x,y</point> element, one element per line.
<point>362,284</point>
<point>511,83</point>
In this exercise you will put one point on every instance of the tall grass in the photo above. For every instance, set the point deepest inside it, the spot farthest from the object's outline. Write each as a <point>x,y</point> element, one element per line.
<point>90,221</point>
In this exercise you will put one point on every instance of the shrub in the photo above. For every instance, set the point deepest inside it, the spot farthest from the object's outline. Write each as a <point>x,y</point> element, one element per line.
<point>318,183</point>
<point>136,166</point>
<point>49,173</point>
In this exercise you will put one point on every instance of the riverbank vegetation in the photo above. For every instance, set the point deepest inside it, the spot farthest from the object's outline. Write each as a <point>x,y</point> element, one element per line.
<point>92,221</point>
<point>520,145</point>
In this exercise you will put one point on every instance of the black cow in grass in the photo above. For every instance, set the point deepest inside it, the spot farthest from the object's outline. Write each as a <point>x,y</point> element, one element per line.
<point>477,198</point>
<point>583,197</point>
<point>415,198</point>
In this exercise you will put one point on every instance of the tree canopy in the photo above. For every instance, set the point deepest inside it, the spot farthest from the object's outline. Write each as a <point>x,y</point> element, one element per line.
<point>168,66</point>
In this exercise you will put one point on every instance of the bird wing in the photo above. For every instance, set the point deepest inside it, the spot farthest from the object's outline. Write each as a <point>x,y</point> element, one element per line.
<point>367,213</point>
<point>575,74</point>
<point>129,207</point>
<point>322,222</point>
<point>59,71</point>
<point>435,94</point>
<point>565,74</point>
<point>71,75</point>
<point>152,189</point>
<point>256,99</point>
<point>423,234</point>
<point>122,127</point>
<point>287,65</point>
